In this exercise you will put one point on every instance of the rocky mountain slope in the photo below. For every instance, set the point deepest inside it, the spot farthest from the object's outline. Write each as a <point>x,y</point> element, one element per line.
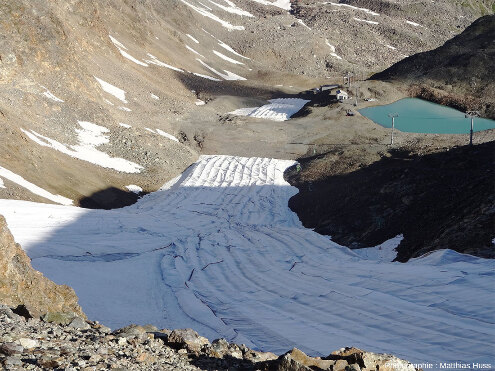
<point>93,93</point>
<point>102,101</point>
<point>24,288</point>
<point>459,73</point>
<point>437,199</point>
<point>85,345</point>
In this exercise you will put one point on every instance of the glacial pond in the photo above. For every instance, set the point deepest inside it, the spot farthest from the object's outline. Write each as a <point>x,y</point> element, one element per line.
<point>420,116</point>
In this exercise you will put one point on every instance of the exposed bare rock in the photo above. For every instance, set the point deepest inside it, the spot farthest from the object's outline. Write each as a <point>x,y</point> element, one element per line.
<point>39,345</point>
<point>298,360</point>
<point>188,339</point>
<point>459,73</point>
<point>21,285</point>
<point>371,361</point>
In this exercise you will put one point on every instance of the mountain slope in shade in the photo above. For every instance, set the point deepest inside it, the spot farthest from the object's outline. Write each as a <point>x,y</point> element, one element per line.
<point>459,73</point>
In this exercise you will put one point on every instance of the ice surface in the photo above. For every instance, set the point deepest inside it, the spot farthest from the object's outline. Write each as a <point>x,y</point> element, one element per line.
<point>218,250</point>
<point>280,109</point>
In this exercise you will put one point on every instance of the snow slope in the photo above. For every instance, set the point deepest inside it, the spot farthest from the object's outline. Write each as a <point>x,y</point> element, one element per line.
<point>218,250</point>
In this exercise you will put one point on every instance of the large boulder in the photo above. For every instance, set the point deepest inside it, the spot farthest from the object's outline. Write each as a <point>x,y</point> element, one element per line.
<point>24,287</point>
<point>187,339</point>
<point>296,360</point>
<point>372,361</point>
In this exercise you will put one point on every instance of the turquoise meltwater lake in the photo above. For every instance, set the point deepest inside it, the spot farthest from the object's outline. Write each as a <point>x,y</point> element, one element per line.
<point>420,116</point>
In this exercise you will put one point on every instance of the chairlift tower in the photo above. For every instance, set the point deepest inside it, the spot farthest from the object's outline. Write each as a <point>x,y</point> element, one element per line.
<point>393,116</point>
<point>348,79</point>
<point>472,115</point>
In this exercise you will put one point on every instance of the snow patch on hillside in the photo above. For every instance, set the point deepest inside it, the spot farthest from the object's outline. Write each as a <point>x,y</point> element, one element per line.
<point>154,60</point>
<point>224,57</point>
<point>283,4</point>
<point>111,89</point>
<point>352,7</point>
<point>230,49</point>
<point>231,8</point>
<point>134,188</point>
<point>47,93</point>
<point>332,50</point>
<point>163,134</point>
<point>364,20</point>
<point>413,23</point>
<point>122,49</point>
<point>192,38</point>
<point>206,76</point>
<point>89,136</point>
<point>194,51</point>
<point>206,12</point>
<point>227,75</point>
<point>301,22</point>
<point>13,177</point>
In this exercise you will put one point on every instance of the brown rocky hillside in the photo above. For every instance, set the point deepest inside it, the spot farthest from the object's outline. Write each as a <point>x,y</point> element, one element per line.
<point>459,73</point>
<point>23,286</point>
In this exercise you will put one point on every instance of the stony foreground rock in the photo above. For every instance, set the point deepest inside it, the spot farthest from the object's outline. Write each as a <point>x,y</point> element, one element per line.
<point>21,285</point>
<point>35,344</point>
